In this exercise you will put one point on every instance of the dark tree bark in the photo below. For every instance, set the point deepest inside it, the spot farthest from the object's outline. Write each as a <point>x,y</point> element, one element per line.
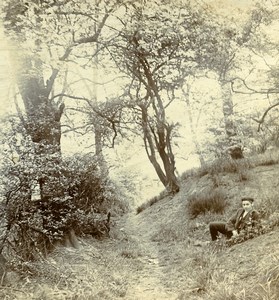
<point>157,132</point>
<point>157,142</point>
<point>43,115</point>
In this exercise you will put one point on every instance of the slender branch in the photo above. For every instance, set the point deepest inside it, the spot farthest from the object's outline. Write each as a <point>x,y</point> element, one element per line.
<point>251,90</point>
<point>69,96</point>
<point>84,40</point>
<point>264,115</point>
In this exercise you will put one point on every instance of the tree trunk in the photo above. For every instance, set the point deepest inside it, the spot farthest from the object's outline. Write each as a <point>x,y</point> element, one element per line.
<point>98,130</point>
<point>42,122</point>
<point>154,144</point>
<point>234,144</point>
<point>99,151</point>
<point>193,131</point>
<point>156,130</point>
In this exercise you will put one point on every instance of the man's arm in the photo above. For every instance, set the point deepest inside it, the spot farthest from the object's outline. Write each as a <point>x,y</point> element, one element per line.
<point>230,226</point>
<point>256,218</point>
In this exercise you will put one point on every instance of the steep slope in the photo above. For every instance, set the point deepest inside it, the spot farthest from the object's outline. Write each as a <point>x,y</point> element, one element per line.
<point>199,269</point>
<point>163,254</point>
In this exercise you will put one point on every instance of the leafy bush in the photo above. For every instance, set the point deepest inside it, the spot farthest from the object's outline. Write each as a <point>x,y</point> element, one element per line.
<point>96,225</point>
<point>247,233</point>
<point>89,191</point>
<point>71,195</point>
<point>34,227</point>
<point>213,200</point>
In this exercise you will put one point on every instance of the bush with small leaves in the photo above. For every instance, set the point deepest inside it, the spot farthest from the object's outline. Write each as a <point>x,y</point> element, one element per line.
<point>247,233</point>
<point>33,225</point>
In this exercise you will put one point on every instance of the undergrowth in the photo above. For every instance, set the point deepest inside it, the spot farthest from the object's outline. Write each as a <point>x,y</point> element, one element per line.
<point>228,165</point>
<point>218,166</point>
<point>209,200</point>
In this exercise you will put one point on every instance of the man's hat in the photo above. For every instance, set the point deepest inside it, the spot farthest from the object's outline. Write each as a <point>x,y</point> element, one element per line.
<point>248,199</point>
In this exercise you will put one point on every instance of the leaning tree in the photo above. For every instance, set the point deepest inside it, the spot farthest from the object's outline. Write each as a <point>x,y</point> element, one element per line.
<point>162,43</point>
<point>155,52</point>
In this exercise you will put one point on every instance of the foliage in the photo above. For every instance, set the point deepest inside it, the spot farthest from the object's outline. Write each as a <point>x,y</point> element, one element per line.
<point>209,200</point>
<point>269,212</point>
<point>92,196</point>
<point>248,232</point>
<point>74,197</point>
<point>92,224</point>
<point>159,50</point>
<point>57,26</point>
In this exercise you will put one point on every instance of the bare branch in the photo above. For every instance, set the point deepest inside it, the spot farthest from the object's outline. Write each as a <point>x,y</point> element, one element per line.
<point>251,90</point>
<point>84,40</point>
<point>264,115</point>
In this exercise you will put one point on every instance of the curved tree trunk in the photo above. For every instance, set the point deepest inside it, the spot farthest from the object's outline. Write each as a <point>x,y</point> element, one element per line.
<point>156,130</point>
<point>159,141</point>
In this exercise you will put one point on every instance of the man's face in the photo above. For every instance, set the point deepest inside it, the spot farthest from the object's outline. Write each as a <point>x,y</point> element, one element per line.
<point>247,205</point>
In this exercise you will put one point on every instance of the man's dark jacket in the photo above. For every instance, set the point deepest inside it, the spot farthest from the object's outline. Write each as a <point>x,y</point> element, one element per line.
<point>237,222</point>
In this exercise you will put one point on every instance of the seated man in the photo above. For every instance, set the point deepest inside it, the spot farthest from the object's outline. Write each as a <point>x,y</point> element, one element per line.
<point>244,217</point>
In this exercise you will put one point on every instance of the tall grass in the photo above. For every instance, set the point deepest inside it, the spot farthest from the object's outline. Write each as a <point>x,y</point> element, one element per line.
<point>228,165</point>
<point>97,270</point>
<point>209,200</point>
<point>206,279</point>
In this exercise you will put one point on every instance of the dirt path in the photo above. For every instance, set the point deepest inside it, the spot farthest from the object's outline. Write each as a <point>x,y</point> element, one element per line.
<point>147,283</point>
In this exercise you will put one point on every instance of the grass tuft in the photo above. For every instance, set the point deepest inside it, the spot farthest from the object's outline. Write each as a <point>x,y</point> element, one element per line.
<point>207,201</point>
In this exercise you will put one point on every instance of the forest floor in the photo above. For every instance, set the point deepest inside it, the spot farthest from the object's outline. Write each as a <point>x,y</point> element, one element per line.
<point>161,254</point>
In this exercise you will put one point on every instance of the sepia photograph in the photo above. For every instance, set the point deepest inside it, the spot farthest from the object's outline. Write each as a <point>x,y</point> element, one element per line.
<point>139,149</point>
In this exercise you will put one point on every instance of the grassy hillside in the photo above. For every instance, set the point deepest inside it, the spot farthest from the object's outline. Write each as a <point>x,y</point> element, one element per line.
<point>164,252</point>
<point>204,270</point>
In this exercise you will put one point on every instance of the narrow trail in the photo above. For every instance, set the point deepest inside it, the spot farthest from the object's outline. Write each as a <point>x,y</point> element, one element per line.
<point>147,283</point>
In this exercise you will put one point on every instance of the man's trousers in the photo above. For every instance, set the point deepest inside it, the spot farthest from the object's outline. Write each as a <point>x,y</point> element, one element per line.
<point>216,227</point>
